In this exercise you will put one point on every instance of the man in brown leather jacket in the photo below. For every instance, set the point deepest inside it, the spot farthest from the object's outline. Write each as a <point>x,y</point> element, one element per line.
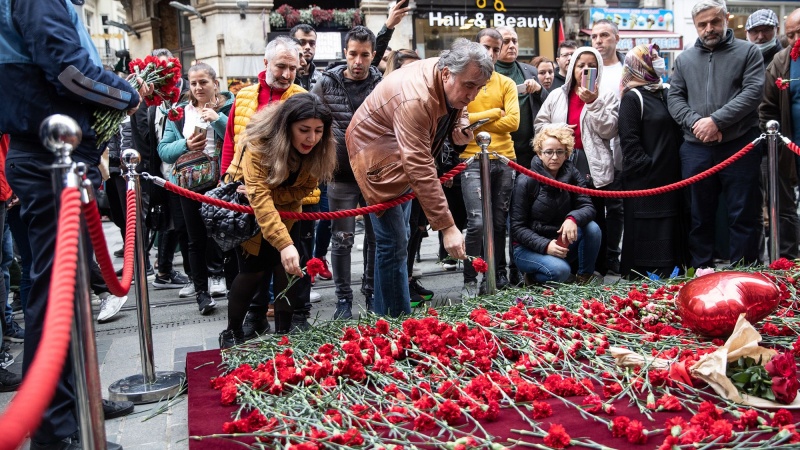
<point>393,140</point>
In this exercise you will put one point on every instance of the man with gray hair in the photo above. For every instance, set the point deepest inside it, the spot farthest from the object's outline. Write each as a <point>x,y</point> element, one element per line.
<point>393,141</point>
<point>716,89</point>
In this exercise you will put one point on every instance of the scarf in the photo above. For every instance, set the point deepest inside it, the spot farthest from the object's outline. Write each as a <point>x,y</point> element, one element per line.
<point>638,70</point>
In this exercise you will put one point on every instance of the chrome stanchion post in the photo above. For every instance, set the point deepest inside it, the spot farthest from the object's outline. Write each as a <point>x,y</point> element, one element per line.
<point>149,386</point>
<point>61,134</point>
<point>772,157</point>
<point>483,140</point>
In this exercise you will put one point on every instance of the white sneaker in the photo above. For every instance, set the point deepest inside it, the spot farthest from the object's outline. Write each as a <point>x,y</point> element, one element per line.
<point>449,265</point>
<point>187,291</point>
<point>110,306</point>
<point>217,287</point>
<point>315,297</point>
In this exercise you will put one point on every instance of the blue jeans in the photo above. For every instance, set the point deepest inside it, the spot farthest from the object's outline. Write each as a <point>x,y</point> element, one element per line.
<point>502,182</point>
<point>546,268</point>
<point>740,182</point>
<point>391,251</point>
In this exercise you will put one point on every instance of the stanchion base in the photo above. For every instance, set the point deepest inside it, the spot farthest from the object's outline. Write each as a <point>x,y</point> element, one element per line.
<point>134,389</point>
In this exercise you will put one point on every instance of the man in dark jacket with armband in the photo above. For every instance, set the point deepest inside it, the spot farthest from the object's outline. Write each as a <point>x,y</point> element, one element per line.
<point>50,66</point>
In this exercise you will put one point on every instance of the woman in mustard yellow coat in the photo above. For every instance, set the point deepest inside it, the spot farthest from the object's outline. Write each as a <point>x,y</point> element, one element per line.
<point>287,149</point>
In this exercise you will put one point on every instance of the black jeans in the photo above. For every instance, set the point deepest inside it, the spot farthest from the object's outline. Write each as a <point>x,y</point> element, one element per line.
<point>169,239</point>
<point>205,256</point>
<point>741,184</point>
<point>31,182</point>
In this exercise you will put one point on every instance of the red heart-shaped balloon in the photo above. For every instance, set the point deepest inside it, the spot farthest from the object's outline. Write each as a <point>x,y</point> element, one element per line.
<point>711,304</point>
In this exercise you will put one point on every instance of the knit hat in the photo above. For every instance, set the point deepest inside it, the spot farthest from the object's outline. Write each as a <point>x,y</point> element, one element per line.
<point>760,18</point>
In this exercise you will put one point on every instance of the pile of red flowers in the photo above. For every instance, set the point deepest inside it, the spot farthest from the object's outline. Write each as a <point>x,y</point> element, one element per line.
<point>439,378</point>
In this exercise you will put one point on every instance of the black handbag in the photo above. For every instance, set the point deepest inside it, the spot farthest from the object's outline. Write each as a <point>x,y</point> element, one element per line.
<point>228,228</point>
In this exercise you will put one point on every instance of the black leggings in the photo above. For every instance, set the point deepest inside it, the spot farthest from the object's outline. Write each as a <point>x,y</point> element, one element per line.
<point>251,277</point>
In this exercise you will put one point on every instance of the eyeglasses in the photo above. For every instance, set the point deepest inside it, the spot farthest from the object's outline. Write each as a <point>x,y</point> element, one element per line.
<point>551,153</point>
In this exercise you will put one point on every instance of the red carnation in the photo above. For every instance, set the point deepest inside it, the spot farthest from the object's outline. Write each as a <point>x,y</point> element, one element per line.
<point>175,114</point>
<point>782,417</point>
<point>557,436</point>
<point>636,433</point>
<point>795,50</point>
<point>449,412</point>
<point>479,265</point>
<point>314,266</point>
<point>782,263</point>
<point>619,426</point>
<point>782,85</point>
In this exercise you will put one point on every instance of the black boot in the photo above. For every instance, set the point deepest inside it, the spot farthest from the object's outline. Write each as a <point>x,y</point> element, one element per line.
<point>283,322</point>
<point>513,277</point>
<point>299,323</point>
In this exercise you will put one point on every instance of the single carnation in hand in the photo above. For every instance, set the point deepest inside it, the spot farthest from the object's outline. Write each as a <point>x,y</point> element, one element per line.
<point>479,265</point>
<point>314,266</point>
<point>782,84</point>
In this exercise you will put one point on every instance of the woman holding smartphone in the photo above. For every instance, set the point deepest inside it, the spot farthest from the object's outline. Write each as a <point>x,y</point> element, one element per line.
<point>593,117</point>
<point>201,130</point>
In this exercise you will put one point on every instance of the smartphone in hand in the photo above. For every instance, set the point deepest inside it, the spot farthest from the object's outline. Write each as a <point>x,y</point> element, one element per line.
<point>522,88</point>
<point>475,124</point>
<point>589,79</point>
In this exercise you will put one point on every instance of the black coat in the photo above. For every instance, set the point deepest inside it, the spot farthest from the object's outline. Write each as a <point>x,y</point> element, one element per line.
<point>538,210</point>
<point>650,144</point>
<point>331,90</point>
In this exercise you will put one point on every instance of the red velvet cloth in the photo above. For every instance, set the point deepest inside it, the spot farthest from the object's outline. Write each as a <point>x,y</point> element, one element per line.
<point>206,415</point>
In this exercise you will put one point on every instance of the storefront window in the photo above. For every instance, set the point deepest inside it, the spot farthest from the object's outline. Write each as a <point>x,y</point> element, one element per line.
<point>437,26</point>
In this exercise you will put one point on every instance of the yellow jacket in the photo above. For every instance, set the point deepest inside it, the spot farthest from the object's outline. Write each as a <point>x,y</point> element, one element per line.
<point>500,94</point>
<point>267,200</point>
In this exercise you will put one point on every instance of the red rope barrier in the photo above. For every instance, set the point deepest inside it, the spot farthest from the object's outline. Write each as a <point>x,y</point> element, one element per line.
<point>25,411</point>
<point>791,145</point>
<point>331,215</point>
<point>95,227</point>
<point>636,193</point>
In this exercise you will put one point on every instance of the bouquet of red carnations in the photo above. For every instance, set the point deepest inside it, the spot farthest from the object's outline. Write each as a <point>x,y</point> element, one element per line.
<point>164,75</point>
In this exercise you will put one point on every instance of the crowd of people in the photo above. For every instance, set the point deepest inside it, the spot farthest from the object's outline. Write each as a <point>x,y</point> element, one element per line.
<point>384,123</point>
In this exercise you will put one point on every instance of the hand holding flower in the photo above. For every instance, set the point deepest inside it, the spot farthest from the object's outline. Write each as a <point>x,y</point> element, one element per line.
<point>291,261</point>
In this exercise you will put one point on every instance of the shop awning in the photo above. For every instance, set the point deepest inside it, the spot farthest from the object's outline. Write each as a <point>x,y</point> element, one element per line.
<point>666,40</point>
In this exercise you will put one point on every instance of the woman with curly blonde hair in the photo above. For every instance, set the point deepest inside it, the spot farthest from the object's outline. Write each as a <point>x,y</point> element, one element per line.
<point>287,149</point>
<point>551,227</point>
